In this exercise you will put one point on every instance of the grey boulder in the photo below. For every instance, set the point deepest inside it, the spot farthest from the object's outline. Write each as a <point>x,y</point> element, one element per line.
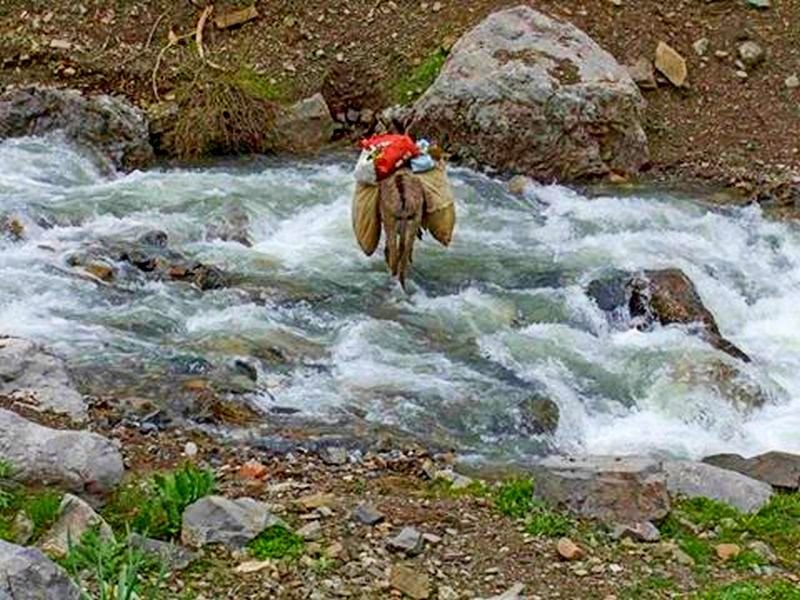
<point>612,489</point>
<point>694,479</point>
<point>219,520</point>
<point>525,92</point>
<point>27,574</point>
<point>79,461</point>
<point>779,469</point>
<point>39,378</point>
<point>75,518</point>
<point>112,128</point>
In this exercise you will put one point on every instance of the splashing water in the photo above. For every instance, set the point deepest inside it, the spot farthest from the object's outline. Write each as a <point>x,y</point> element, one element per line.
<point>497,320</point>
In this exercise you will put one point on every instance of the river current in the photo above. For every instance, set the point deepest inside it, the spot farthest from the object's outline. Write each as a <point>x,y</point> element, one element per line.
<point>498,318</point>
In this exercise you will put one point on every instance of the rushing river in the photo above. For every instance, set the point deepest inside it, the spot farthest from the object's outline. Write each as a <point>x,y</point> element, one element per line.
<point>498,318</point>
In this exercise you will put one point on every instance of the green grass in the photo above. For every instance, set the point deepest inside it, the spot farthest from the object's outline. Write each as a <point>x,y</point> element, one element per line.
<point>777,524</point>
<point>41,506</point>
<point>260,86</point>
<point>654,586</point>
<point>745,590</point>
<point>514,498</point>
<point>276,542</point>
<point>7,486</point>
<point>412,85</point>
<point>442,488</point>
<point>106,569</point>
<point>42,510</point>
<point>545,522</point>
<point>154,506</point>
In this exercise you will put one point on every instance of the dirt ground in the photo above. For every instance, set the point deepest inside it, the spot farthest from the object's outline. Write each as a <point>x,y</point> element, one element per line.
<point>739,132</point>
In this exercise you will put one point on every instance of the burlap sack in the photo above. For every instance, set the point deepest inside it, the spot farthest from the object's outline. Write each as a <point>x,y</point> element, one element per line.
<point>366,217</point>
<point>440,207</point>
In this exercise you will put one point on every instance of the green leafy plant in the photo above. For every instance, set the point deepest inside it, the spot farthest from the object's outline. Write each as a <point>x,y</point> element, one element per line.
<point>546,522</point>
<point>114,569</point>
<point>514,498</point>
<point>746,590</point>
<point>276,541</point>
<point>178,489</point>
<point>42,509</point>
<point>7,486</point>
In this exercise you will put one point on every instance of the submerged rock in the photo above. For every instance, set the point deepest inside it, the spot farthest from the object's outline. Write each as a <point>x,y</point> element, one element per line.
<point>527,93</point>
<point>111,127</point>
<point>38,378</point>
<point>693,479</point>
<point>82,462</point>
<point>612,489</point>
<point>665,296</point>
<point>779,469</point>
<point>27,574</point>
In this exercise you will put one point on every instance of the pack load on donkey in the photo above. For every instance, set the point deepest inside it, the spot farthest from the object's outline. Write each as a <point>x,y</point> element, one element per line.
<point>402,188</point>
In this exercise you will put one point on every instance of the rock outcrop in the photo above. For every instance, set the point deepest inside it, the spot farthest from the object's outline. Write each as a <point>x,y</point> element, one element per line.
<point>693,479</point>
<point>113,129</point>
<point>27,574</point>
<point>82,462</point>
<point>779,469</point>
<point>39,379</point>
<point>612,489</point>
<point>665,296</point>
<point>524,92</point>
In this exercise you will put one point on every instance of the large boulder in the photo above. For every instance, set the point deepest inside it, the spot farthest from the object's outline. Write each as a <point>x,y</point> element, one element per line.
<point>665,296</point>
<point>27,574</point>
<point>693,479</point>
<point>779,469</point>
<point>111,127</point>
<point>304,127</point>
<point>528,93</point>
<point>82,462</point>
<point>629,489</point>
<point>75,518</point>
<point>219,520</point>
<point>35,376</point>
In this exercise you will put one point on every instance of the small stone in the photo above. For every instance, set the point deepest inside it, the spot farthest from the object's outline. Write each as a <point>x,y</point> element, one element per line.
<point>517,185</point>
<point>701,46</point>
<point>569,550</point>
<point>431,538</point>
<point>727,551</point>
<point>353,115</point>
<point>335,550</point>
<point>60,44</point>
<point>252,566</point>
<point>512,593</point>
<point>409,540</point>
<point>642,73</point>
<point>315,501</point>
<point>175,556</point>
<point>437,6</point>
<point>75,517</point>
<point>721,54</point>
<point>792,82</point>
<point>333,455</point>
<point>750,53</point>
<point>741,74</point>
<point>671,64</point>
<point>69,72</point>
<point>190,449</point>
<point>253,469</point>
<point>310,531</point>
<point>763,550</point>
<point>367,514</point>
<point>410,581</point>
<point>339,57</point>
<point>643,531</point>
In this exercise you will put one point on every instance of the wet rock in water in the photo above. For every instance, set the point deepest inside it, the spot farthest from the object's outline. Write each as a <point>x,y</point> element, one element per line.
<point>694,479</point>
<point>523,80</point>
<point>101,270</point>
<point>367,514</point>
<point>611,489</point>
<point>643,531</point>
<point>111,127</point>
<point>155,238</point>
<point>735,384</point>
<point>216,519</point>
<point>12,228</point>
<point>538,415</point>
<point>82,462</point>
<point>38,378</point>
<point>779,469</point>
<point>410,581</point>
<point>232,226</point>
<point>409,540</point>
<point>174,556</point>
<point>27,574</point>
<point>304,127</point>
<point>665,296</point>
<point>75,518</point>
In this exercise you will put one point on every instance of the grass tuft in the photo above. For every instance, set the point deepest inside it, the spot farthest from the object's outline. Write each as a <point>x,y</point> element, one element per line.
<point>277,542</point>
<point>746,590</point>
<point>514,498</point>
<point>412,85</point>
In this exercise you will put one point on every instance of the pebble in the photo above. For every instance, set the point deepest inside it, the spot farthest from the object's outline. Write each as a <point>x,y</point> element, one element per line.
<point>437,6</point>
<point>409,540</point>
<point>639,532</point>
<point>333,455</point>
<point>763,550</point>
<point>310,531</point>
<point>741,74</point>
<point>368,514</point>
<point>569,550</point>
<point>701,46</point>
<point>751,53</point>
<point>727,551</point>
<point>410,581</point>
<point>190,449</point>
<point>792,82</point>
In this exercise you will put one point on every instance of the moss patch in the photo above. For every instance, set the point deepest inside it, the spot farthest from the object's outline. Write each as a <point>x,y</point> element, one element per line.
<point>277,542</point>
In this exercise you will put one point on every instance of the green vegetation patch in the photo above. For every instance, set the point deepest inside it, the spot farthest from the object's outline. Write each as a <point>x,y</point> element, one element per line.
<point>746,590</point>
<point>515,499</point>
<point>261,86</point>
<point>443,488</point>
<point>40,506</point>
<point>777,524</point>
<point>277,542</point>
<point>412,85</point>
<point>654,586</point>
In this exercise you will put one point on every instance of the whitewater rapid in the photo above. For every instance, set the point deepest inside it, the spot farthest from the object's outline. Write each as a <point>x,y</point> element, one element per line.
<point>499,317</point>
